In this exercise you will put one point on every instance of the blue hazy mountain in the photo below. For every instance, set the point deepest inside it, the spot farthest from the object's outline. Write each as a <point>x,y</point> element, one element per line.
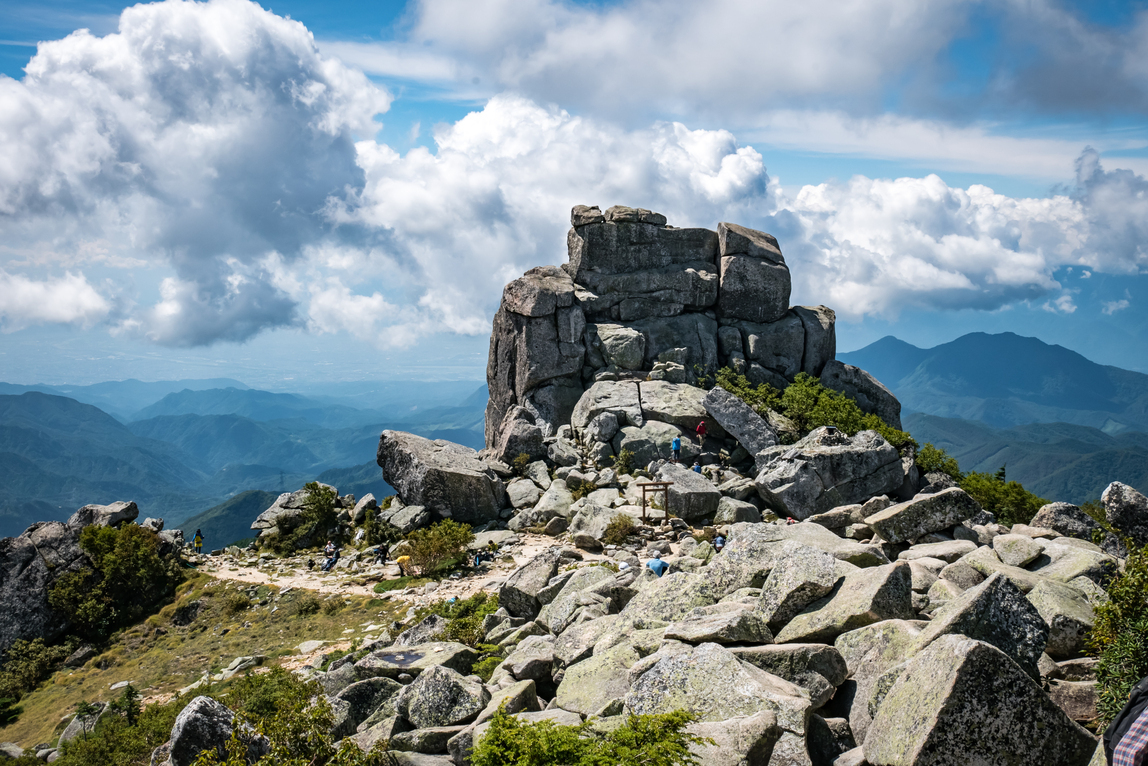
<point>1007,380</point>
<point>120,398</point>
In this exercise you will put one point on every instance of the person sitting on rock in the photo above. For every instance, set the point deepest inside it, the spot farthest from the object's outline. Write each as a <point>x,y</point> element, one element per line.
<point>676,448</point>
<point>332,554</point>
<point>719,543</point>
<point>656,565</point>
<point>697,467</point>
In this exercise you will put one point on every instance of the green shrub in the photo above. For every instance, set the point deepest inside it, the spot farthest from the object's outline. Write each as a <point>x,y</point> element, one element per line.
<point>319,518</point>
<point>379,531</point>
<point>437,546</point>
<point>640,741</point>
<point>761,398</point>
<point>1009,501</point>
<point>235,602</point>
<point>306,605</point>
<point>582,489</point>
<point>465,617</point>
<point>484,668</point>
<point>127,578</point>
<point>26,664</point>
<point>519,464</point>
<point>624,462</point>
<point>1119,635</point>
<point>332,606</point>
<point>120,740</point>
<point>932,458</point>
<point>619,528</point>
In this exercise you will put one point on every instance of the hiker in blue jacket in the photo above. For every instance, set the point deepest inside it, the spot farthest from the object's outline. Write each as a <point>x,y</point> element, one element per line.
<point>676,448</point>
<point>656,565</point>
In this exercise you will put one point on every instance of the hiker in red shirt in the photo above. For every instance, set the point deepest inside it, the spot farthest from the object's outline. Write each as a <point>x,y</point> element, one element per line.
<point>701,431</point>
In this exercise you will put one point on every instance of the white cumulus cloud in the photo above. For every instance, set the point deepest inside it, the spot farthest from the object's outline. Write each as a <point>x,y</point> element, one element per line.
<point>69,299</point>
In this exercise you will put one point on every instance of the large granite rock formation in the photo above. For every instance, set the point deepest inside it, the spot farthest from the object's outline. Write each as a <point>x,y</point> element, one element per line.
<point>639,299</point>
<point>441,476</point>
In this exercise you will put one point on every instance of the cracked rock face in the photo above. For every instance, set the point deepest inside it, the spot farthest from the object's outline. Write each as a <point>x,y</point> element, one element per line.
<point>442,697</point>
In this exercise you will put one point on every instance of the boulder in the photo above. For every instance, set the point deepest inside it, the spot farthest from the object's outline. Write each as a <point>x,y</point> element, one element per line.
<point>997,613</point>
<point>964,701</point>
<point>820,338</point>
<point>428,741</point>
<point>921,515</point>
<point>869,653</point>
<point>678,404</point>
<point>590,685</point>
<point>1016,550</point>
<point>1069,617</point>
<point>947,551</point>
<point>413,660</point>
<point>692,495</point>
<point>208,725</point>
<point>617,396</point>
<point>813,535</point>
<point>441,697</point>
<point>523,494</point>
<point>730,511</point>
<point>739,420</point>
<point>408,518</point>
<point>111,515</point>
<point>1067,519</point>
<point>29,566</point>
<point>519,434</point>
<point>618,346</point>
<point>603,428</point>
<point>588,527</point>
<point>1066,562</point>
<point>430,628</point>
<point>713,684</point>
<point>667,599</point>
<point>862,598</point>
<point>446,478</point>
<point>532,659</point>
<point>800,575</point>
<point>871,396</point>
<point>519,594</point>
<point>365,697</point>
<point>827,469</point>
<point>366,503</point>
<point>285,514</point>
<point>742,741</point>
<point>1127,510</point>
<point>723,623</point>
<point>652,442</point>
<point>576,643</point>
<point>817,668</point>
<point>754,280</point>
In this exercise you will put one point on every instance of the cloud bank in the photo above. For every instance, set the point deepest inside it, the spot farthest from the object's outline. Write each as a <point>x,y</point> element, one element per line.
<point>214,144</point>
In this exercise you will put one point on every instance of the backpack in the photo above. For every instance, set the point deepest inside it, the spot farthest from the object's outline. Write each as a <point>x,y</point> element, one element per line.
<point>1137,702</point>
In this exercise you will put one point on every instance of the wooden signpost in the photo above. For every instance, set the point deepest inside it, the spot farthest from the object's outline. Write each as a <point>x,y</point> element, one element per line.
<point>654,487</point>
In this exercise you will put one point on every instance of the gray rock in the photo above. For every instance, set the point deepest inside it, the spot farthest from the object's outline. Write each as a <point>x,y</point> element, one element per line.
<point>820,338</point>
<point>441,697</point>
<point>366,503</point>
<point>441,476</point>
<point>755,282</point>
<point>652,442</point>
<point>1069,617</point>
<point>1127,510</point>
<point>555,501</point>
<point>1016,550</point>
<point>413,660</point>
<point>826,470</point>
<point>523,493</point>
<point>619,346</point>
<point>365,697</point>
<point>430,628</point>
<point>963,701</point>
<point>800,575</point>
<point>619,397</point>
<point>774,349</point>
<point>588,527</point>
<point>207,725</point>
<point>532,659</point>
<point>730,511</point>
<point>948,551</point>
<point>408,518</point>
<point>1066,562</point>
<point>428,741</point>
<point>590,685</point>
<point>678,404</point>
<point>29,566</point>
<point>111,515</point>
<point>519,594</point>
<point>602,428</point>
<point>337,679</point>
<point>1067,519</point>
<point>667,599</point>
<point>692,495</point>
<point>997,613</point>
<point>871,396</point>
<point>577,642</point>
<point>519,434</point>
<point>739,420</point>
<point>921,515</point>
<point>724,623</point>
<point>742,741</point>
<point>813,535</point>
<point>862,598</point>
<point>817,668</point>
<point>869,653</point>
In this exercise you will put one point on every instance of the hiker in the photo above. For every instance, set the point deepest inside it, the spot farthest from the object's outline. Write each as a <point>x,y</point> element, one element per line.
<point>332,554</point>
<point>1126,738</point>
<point>198,540</point>
<point>481,556</point>
<point>676,448</point>
<point>697,467</point>
<point>719,543</point>
<point>404,563</point>
<point>382,553</point>
<point>656,565</point>
<point>701,432</point>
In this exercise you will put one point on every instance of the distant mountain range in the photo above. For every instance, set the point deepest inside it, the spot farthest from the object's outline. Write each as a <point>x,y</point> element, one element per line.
<point>194,449</point>
<point>1064,426</point>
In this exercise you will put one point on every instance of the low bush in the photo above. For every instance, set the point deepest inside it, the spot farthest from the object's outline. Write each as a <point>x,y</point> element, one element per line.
<point>624,462</point>
<point>484,668</point>
<point>519,464</point>
<point>332,606</point>
<point>1119,636</point>
<point>761,398</point>
<point>619,529</point>
<point>377,531</point>
<point>641,740</point>
<point>582,489</point>
<point>26,664</point>
<point>436,547</point>
<point>319,519</point>
<point>120,739</point>
<point>1009,501</point>
<point>235,602</point>
<point>465,617</point>
<point>931,458</point>
<point>306,605</point>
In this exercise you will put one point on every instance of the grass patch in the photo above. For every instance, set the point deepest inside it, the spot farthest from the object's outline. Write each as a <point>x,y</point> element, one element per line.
<point>400,583</point>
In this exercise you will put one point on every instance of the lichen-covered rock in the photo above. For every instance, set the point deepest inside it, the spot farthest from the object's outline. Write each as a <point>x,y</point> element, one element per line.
<point>1065,562</point>
<point>997,613</point>
<point>577,642</point>
<point>963,701</point>
<point>519,594</point>
<point>947,551</point>
<point>800,575</point>
<point>871,396</point>
<point>441,697</point>
<point>869,653</point>
<point>667,599</point>
<point>863,597</point>
<point>678,404</point>
<point>723,623</point>
<point>1065,518</point>
<point>365,697</point>
<point>921,515</point>
<point>817,668</point>
<point>430,628</point>
<point>532,659</point>
<point>523,494</point>
<point>208,725</point>
<point>1127,510</point>
<point>1069,617</point>
<point>441,476</point>
<point>588,527</point>
<point>743,741</point>
<point>652,442</point>
<point>827,469</point>
<point>1016,550</point>
<point>111,515</point>
<point>617,396</point>
<point>692,495</point>
<point>712,683</point>
<point>590,685</point>
<point>739,420</point>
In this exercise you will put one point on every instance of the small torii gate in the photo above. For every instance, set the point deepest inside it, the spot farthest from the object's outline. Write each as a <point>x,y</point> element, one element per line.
<point>654,487</point>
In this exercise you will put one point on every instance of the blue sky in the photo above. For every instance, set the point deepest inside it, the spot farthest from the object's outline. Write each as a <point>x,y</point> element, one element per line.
<point>208,189</point>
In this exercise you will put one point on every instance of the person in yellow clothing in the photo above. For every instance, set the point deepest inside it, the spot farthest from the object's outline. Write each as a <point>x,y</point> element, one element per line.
<point>404,563</point>
<point>198,540</point>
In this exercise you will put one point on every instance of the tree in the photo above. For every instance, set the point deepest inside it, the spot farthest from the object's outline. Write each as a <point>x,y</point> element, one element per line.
<point>435,547</point>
